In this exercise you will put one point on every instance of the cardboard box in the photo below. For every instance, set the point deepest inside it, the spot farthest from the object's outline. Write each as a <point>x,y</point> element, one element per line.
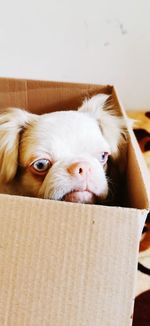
<point>67,264</point>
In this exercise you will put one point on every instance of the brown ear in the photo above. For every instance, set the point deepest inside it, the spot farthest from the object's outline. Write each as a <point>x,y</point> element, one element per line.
<point>12,122</point>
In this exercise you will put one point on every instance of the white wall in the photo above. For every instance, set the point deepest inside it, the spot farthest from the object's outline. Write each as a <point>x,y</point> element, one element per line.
<point>98,41</point>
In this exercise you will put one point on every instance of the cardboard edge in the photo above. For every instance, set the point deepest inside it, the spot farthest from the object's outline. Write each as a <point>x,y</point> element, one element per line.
<point>143,170</point>
<point>140,213</point>
<point>58,83</point>
<point>69,204</point>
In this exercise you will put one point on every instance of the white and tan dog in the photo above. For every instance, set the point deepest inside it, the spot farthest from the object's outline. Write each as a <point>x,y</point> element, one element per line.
<point>61,155</point>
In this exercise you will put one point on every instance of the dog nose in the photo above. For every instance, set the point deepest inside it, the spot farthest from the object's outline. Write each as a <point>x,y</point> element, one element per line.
<point>79,169</point>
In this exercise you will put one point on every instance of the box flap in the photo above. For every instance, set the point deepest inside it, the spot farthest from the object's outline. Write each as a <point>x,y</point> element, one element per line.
<point>54,96</point>
<point>67,264</point>
<point>45,96</point>
<point>138,187</point>
<point>138,176</point>
<point>13,92</point>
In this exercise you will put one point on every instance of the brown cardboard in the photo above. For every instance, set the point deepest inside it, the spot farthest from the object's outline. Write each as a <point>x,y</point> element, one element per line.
<point>138,177</point>
<point>65,264</point>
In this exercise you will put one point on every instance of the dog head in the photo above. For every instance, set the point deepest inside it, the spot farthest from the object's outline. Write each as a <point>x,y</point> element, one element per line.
<point>60,155</point>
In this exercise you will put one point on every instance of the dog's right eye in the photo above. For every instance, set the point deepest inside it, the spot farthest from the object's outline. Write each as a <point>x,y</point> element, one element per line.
<point>40,166</point>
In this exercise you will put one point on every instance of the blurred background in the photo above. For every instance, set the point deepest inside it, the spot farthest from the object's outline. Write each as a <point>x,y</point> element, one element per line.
<point>104,42</point>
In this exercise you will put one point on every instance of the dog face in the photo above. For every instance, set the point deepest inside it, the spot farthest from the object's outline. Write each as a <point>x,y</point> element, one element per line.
<point>60,155</point>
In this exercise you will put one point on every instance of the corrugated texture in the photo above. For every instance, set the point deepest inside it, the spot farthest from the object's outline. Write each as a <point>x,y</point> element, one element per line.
<point>45,96</point>
<point>13,92</point>
<point>65,264</point>
<point>52,96</point>
<point>138,180</point>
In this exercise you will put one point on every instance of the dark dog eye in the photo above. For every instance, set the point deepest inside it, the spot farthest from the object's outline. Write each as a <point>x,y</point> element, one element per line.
<point>104,157</point>
<point>41,165</point>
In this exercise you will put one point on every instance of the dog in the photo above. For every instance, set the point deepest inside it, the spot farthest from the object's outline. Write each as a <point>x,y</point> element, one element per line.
<point>65,155</point>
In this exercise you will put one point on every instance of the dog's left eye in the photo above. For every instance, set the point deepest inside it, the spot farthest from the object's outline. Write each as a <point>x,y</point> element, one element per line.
<point>41,165</point>
<point>104,157</point>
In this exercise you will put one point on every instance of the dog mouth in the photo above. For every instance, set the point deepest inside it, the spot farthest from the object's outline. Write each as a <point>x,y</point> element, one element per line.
<point>77,196</point>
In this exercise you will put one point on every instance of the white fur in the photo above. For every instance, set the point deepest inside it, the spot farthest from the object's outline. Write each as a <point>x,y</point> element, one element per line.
<point>112,126</point>
<point>64,138</point>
